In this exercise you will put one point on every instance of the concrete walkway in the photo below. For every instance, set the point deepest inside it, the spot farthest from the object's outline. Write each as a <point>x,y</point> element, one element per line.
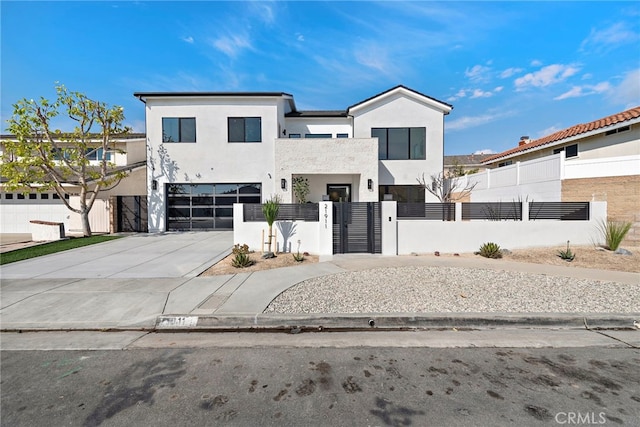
<point>151,282</point>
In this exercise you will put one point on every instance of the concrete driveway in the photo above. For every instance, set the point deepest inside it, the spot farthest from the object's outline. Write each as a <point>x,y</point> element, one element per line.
<point>126,282</point>
<point>163,255</point>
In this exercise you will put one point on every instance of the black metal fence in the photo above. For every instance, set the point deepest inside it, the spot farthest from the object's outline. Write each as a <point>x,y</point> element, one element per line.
<point>563,211</point>
<point>430,211</point>
<point>288,212</point>
<point>495,211</point>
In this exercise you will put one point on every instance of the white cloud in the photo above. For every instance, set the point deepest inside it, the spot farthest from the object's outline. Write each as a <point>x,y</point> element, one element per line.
<point>477,73</point>
<point>627,93</point>
<point>498,89</point>
<point>615,35</point>
<point>471,121</point>
<point>300,37</point>
<point>546,76</point>
<point>510,72</point>
<point>579,91</point>
<point>376,56</point>
<point>231,45</point>
<point>188,39</point>
<point>485,151</point>
<point>548,131</point>
<point>479,93</point>
<point>536,63</point>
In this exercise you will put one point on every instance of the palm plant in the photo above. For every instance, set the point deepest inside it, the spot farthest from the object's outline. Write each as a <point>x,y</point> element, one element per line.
<point>270,209</point>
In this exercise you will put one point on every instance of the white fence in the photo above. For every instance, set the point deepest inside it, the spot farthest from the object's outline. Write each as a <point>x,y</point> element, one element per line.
<point>540,179</point>
<point>406,236</point>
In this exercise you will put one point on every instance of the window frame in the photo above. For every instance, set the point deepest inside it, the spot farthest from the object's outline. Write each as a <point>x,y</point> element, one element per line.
<point>410,144</point>
<point>568,154</point>
<point>181,136</point>
<point>243,140</point>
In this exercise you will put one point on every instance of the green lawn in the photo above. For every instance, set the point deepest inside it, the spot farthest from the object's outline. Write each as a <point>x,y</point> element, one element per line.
<point>52,247</point>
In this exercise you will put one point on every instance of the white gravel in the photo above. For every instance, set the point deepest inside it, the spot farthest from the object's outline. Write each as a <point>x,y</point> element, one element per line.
<point>449,289</point>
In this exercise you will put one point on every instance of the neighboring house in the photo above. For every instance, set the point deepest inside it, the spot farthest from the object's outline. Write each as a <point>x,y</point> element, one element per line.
<point>209,150</point>
<point>463,164</point>
<point>18,208</point>
<point>594,161</point>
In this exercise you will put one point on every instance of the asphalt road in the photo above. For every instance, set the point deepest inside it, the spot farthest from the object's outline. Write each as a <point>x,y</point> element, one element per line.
<point>356,386</point>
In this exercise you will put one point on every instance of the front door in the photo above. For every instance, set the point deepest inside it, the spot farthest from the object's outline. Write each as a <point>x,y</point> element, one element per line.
<point>339,192</point>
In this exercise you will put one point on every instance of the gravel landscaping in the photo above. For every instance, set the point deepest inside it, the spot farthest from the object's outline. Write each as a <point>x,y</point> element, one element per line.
<point>449,289</point>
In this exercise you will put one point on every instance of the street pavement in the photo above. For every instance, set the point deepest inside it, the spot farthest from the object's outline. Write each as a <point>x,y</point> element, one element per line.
<point>151,282</point>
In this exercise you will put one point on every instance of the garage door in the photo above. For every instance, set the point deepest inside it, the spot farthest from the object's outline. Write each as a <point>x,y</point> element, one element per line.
<point>206,206</point>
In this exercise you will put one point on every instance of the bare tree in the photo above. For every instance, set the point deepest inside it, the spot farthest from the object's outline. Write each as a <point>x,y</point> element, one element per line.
<point>447,189</point>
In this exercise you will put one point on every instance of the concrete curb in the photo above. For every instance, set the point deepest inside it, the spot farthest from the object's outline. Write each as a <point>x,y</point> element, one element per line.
<point>387,322</point>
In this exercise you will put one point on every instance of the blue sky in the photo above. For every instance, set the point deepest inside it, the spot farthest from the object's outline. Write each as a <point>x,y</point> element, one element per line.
<point>508,68</point>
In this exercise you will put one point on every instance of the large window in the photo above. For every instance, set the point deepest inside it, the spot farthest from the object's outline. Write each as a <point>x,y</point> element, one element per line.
<point>178,129</point>
<point>401,143</point>
<point>245,129</point>
<point>402,193</point>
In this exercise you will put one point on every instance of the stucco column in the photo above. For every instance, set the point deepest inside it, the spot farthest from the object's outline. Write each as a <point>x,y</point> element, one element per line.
<point>389,227</point>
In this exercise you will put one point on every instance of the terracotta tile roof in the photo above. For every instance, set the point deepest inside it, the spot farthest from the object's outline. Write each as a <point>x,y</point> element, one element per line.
<point>624,116</point>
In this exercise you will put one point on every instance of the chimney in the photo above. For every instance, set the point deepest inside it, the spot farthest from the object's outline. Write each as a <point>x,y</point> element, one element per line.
<point>523,141</point>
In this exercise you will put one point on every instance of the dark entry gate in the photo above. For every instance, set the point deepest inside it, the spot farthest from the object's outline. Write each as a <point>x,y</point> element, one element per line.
<point>131,214</point>
<point>357,228</point>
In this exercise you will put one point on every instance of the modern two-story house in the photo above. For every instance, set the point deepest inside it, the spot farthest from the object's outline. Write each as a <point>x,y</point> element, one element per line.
<point>209,150</point>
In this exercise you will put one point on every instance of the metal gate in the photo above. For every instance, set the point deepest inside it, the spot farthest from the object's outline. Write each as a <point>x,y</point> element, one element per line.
<point>356,228</point>
<point>131,214</point>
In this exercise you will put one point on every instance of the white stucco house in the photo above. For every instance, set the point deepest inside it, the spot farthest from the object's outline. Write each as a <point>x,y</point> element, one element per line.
<point>597,160</point>
<point>209,150</point>
<point>18,208</point>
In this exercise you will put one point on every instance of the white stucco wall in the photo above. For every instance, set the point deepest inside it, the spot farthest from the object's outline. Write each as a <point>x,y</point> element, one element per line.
<point>421,236</point>
<point>211,159</point>
<point>400,111</point>
<point>341,161</point>
<point>330,125</point>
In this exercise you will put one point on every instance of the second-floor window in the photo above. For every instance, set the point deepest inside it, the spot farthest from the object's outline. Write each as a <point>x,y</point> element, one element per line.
<point>178,129</point>
<point>401,143</point>
<point>245,129</point>
<point>569,151</point>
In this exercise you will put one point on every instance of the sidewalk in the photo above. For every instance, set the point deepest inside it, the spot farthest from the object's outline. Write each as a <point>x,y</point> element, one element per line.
<point>187,302</point>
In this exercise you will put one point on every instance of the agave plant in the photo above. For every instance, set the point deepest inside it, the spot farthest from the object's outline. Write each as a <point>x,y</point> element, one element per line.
<point>490,250</point>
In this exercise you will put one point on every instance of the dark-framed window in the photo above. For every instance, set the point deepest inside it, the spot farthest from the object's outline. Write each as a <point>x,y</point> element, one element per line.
<point>8,196</point>
<point>505,163</point>
<point>402,193</point>
<point>294,135</point>
<point>342,135</point>
<point>569,151</point>
<point>178,129</point>
<point>245,129</point>
<point>401,143</point>
<point>44,196</point>
<point>317,135</point>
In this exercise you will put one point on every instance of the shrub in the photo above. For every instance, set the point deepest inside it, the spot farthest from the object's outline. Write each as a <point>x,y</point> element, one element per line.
<point>614,233</point>
<point>240,249</point>
<point>298,257</point>
<point>490,250</point>
<point>567,255</point>
<point>241,260</point>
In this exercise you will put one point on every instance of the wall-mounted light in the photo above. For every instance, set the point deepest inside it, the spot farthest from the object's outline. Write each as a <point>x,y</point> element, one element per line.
<point>283,183</point>
<point>154,185</point>
<point>284,131</point>
<point>370,184</point>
